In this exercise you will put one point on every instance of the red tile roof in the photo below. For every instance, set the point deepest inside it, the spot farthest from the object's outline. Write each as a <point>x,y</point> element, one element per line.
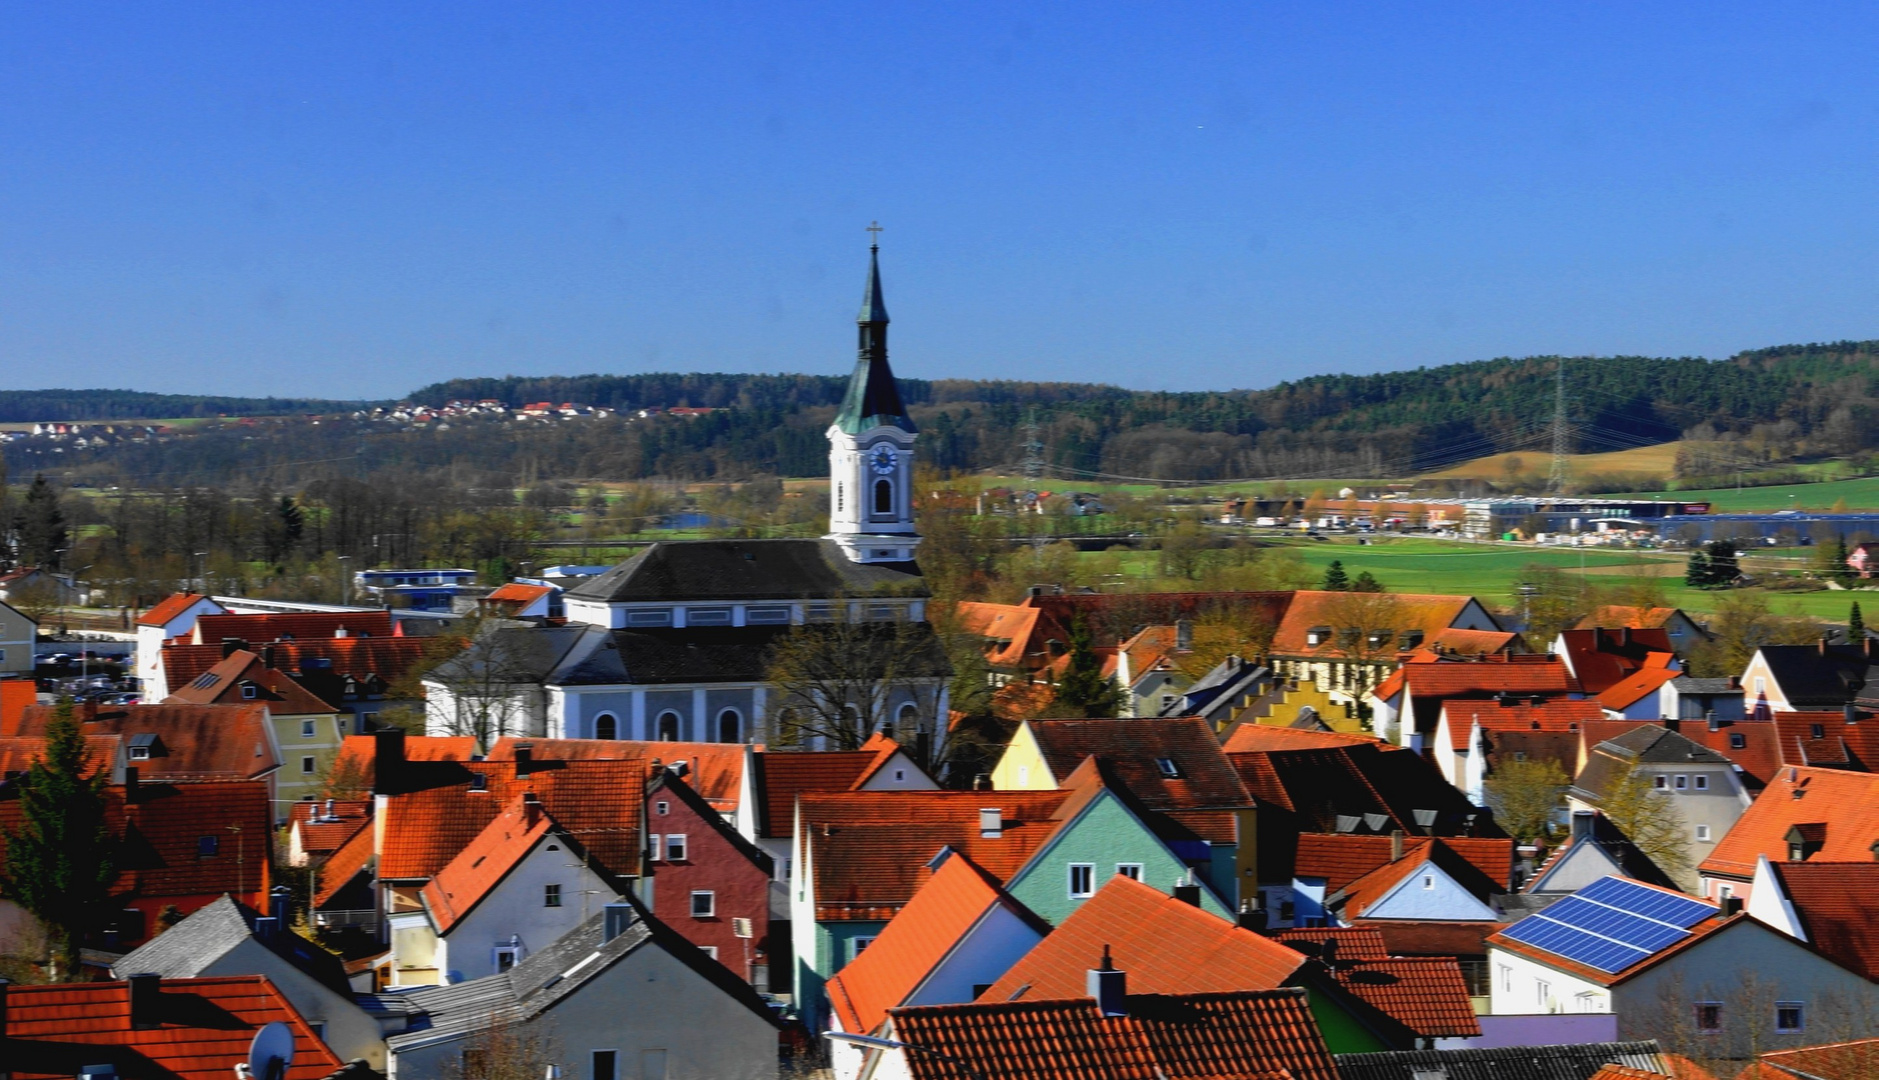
<point>1433,937</point>
<point>1603,658</point>
<point>1823,737</point>
<point>1625,1072</point>
<point>869,849</point>
<point>1425,994</point>
<point>1252,737</point>
<point>519,593</point>
<point>18,753</point>
<point>1135,748</point>
<point>169,608</point>
<point>229,683</point>
<point>1167,946</point>
<point>1485,676</point>
<point>345,865</point>
<point>357,755</point>
<point>296,626</point>
<point>197,742</point>
<point>483,864</point>
<point>1615,616</point>
<point>1367,890</point>
<point>1353,942</point>
<point>1343,858</point>
<point>1844,804</point>
<point>1475,641</point>
<point>326,825</point>
<point>1250,1035</point>
<point>1310,608</point>
<point>1561,714</point>
<point>916,940</point>
<point>1007,628</point>
<point>785,775</point>
<point>598,803</point>
<point>714,770</point>
<point>205,1027</point>
<point>1639,685</point>
<point>1835,904</point>
<point>389,658</point>
<point>1856,1060</point>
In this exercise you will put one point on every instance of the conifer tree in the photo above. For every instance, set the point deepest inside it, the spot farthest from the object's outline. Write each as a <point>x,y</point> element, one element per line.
<point>1697,575</point>
<point>1084,691</point>
<point>1366,582</point>
<point>1855,625</point>
<point>41,526</point>
<point>62,860</point>
<point>1335,579</point>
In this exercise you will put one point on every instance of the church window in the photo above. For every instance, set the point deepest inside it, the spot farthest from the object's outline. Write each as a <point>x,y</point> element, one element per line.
<point>649,617</point>
<point>606,726</point>
<point>730,726</point>
<point>668,726</point>
<point>762,615</point>
<point>883,497</point>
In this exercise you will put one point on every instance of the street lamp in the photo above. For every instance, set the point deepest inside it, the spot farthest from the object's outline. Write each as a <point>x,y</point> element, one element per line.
<point>875,1042</point>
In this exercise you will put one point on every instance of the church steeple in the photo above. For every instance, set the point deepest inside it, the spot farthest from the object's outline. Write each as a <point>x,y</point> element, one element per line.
<point>871,446</point>
<point>873,399</point>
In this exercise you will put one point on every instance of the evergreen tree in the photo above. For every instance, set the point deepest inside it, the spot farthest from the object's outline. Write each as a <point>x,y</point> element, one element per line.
<point>61,861</point>
<point>1697,575</point>
<point>293,521</point>
<point>1839,570</point>
<point>1364,582</point>
<point>1335,579</point>
<point>1084,691</point>
<point>41,526</point>
<point>1855,625</point>
<point>1722,564</point>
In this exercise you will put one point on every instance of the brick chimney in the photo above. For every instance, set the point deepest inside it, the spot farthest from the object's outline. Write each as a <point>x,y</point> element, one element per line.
<point>531,810</point>
<point>231,646</point>
<point>1187,891</point>
<point>1109,987</point>
<point>388,758</point>
<point>146,994</point>
<point>1396,844</point>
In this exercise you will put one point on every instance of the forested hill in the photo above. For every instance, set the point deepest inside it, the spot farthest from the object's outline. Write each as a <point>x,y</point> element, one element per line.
<point>32,406</point>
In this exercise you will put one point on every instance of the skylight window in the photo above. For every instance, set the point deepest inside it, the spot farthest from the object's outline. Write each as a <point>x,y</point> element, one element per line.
<point>1168,767</point>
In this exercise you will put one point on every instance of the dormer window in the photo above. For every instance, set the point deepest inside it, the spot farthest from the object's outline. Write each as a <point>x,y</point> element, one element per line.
<point>1168,768</point>
<point>1317,636</point>
<point>248,691</point>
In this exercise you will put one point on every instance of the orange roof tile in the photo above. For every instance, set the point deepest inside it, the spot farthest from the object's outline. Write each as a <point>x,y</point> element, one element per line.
<point>1425,994</point>
<point>1166,946</point>
<point>1616,616</point>
<point>339,871</point>
<point>204,1025</point>
<point>1429,613</point>
<point>1603,658</point>
<point>241,677</point>
<point>169,608</point>
<point>19,753</point>
<point>483,863</point>
<point>294,626</point>
<point>358,753</point>
<point>714,770</point>
<point>870,849</point>
<point>1249,1035</point>
<point>1627,692</point>
<point>1007,628</point>
<point>195,742</point>
<point>1353,942</point>
<point>916,940</point>
<point>389,658</point>
<point>1466,642</point>
<point>1343,859</point>
<point>1625,1072</point>
<point>1834,903</point>
<point>784,775</point>
<point>326,825</point>
<point>1856,1060</point>
<point>1254,737</point>
<point>1845,805</point>
<point>1485,676</point>
<point>1555,715</point>
<point>519,593</point>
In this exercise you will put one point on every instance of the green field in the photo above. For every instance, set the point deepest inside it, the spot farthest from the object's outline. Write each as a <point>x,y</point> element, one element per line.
<point>1860,494</point>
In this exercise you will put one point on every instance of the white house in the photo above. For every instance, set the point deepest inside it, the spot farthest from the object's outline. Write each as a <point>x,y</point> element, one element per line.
<point>173,618</point>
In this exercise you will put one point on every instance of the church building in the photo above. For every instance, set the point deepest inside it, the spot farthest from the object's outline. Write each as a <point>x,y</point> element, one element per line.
<point>674,643</point>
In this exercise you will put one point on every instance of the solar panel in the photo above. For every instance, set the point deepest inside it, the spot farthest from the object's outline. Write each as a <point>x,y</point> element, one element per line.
<point>1611,924</point>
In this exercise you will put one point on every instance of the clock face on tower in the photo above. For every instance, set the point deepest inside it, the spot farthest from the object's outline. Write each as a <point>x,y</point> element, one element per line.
<point>882,461</point>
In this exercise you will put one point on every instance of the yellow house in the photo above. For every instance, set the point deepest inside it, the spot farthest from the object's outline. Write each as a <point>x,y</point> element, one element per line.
<point>1287,702</point>
<point>307,728</point>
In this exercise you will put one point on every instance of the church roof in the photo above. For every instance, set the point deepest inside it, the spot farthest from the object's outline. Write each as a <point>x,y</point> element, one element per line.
<point>729,570</point>
<point>873,306</point>
<point>873,398</point>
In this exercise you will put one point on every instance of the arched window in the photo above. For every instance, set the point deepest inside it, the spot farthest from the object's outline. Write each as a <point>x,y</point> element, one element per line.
<point>668,726</point>
<point>606,726</point>
<point>883,497</point>
<point>908,720</point>
<point>730,726</point>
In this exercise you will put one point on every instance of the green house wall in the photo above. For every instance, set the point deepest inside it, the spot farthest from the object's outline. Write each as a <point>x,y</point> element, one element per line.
<point>1104,834</point>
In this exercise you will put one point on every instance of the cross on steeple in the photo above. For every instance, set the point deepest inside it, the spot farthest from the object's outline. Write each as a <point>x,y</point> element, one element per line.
<point>874,227</point>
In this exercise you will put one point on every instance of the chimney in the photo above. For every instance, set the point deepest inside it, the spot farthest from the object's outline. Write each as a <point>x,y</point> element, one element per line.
<point>1731,907</point>
<point>388,757</point>
<point>1251,917</point>
<point>1823,645</point>
<point>231,646</point>
<point>615,918</point>
<point>280,899</point>
<point>1852,713</point>
<point>266,927</point>
<point>982,782</point>
<point>1184,634</point>
<point>1624,636</point>
<point>991,822</point>
<point>1187,891</point>
<point>1109,987</point>
<point>1709,716</point>
<point>531,810</point>
<point>267,656</point>
<point>330,815</point>
<point>146,993</point>
<point>131,790</point>
<point>1396,844</point>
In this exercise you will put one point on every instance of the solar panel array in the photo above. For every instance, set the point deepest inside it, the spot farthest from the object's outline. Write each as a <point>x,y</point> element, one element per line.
<point>1611,924</point>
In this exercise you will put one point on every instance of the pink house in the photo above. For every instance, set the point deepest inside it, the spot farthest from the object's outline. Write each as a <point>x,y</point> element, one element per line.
<point>706,881</point>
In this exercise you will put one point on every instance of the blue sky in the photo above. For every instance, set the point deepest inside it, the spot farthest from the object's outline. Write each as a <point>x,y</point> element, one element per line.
<point>353,200</point>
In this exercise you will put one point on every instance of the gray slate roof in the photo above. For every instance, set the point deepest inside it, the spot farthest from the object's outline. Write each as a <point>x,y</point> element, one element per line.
<point>718,654</point>
<point>728,570</point>
<point>189,948</point>
<point>510,654</point>
<point>1577,1062</point>
<point>542,980</point>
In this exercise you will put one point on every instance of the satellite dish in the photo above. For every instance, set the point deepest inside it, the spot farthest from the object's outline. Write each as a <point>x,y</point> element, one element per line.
<point>271,1051</point>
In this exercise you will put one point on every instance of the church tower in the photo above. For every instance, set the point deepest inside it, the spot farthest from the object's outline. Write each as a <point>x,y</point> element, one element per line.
<point>871,448</point>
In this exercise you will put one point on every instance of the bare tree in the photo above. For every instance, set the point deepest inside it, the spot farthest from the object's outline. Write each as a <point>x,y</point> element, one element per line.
<point>1524,795</point>
<point>1364,627</point>
<point>1649,818</point>
<point>487,683</point>
<point>838,680</point>
<point>505,1050</point>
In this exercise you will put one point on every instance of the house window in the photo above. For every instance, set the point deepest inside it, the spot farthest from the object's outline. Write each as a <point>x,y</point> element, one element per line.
<point>1082,879</point>
<point>708,616</point>
<point>506,957</point>
<point>1661,783</point>
<point>1682,782</point>
<point>551,894</point>
<point>307,765</point>
<point>139,753</point>
<point>606,726</point>
<point>247,693</point>
<point>855,945</point>
<point>704,904</point>
<point>1700,781</point>
<point>207,846</point>
<point>709,950</point>
<point>1702,833</point>
<point>1168,767</point>
<point>1817,731</point>
<point>1166,701</point>
<point>653,848</point>
<point>1507,978</point>
<point>1585,1001</point>
<point>675,847</point>
<point>649,617</point>
<point>1738,741</point>
<point>668,726</point>
<point>1543,993</point>
<point>1428,881</point>
<point>760,616</point>
<point>606,1065</point>
<point>1790,1017</point>
<point>1130,870</point>
<point>662,808</point>
<point>1709,1017</point>
<point>306,729</point>
<point>479,781</point>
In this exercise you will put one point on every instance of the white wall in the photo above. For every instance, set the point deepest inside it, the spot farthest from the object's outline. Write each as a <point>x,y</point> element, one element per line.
<point>1520,985</point>
<point>514,908</point>
<point>348,1029</point>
